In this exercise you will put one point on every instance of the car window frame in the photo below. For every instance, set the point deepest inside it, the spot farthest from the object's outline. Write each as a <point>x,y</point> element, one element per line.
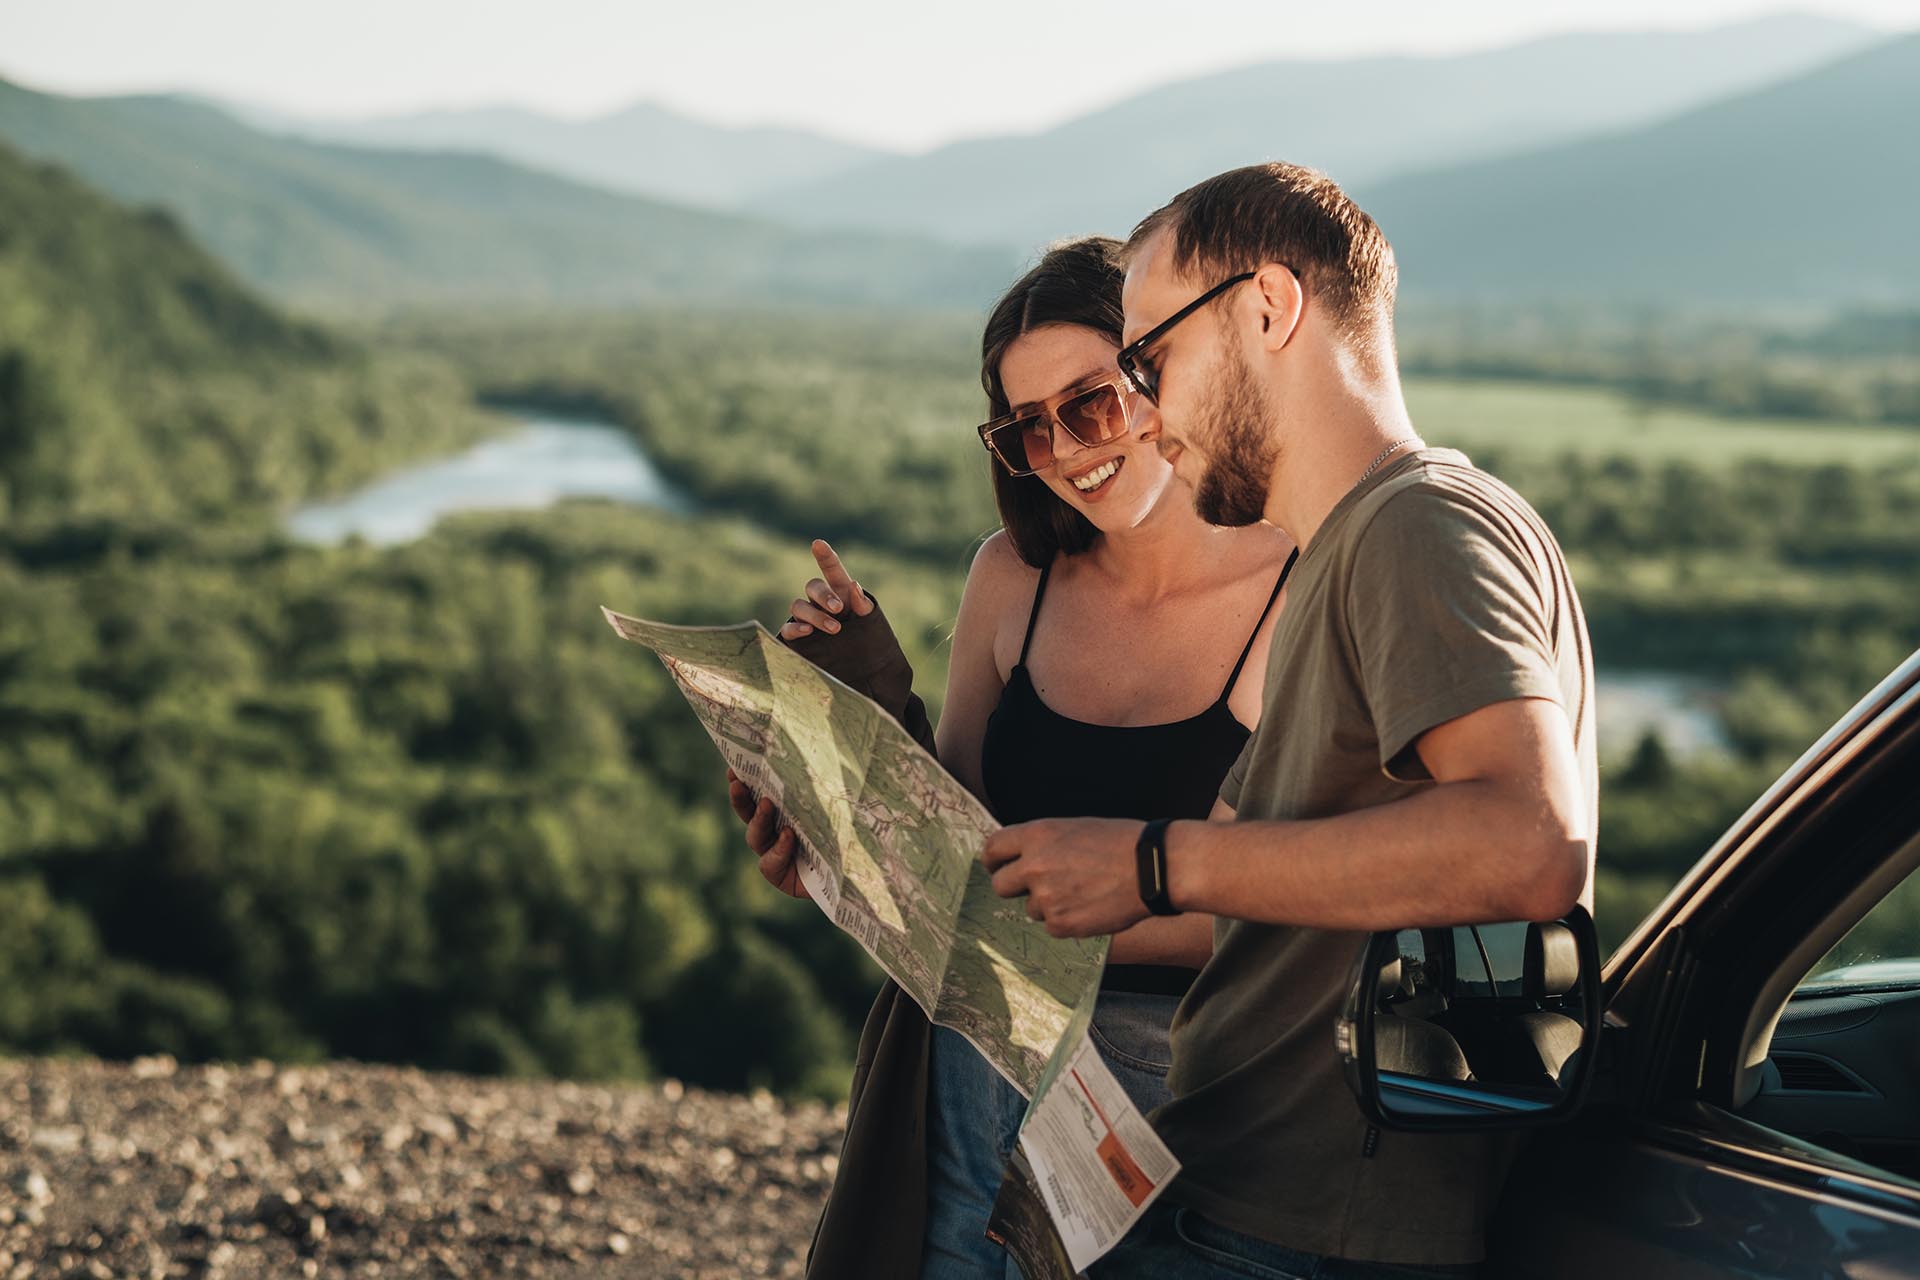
<point>1781,986</point>
<point>1694,1055</point>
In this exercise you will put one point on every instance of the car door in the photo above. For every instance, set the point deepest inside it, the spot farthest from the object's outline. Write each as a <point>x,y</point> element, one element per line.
<point>1684,1162</point>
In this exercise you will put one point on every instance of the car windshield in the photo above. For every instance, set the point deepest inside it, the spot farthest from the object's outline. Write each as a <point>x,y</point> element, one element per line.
<point>1883,950</point>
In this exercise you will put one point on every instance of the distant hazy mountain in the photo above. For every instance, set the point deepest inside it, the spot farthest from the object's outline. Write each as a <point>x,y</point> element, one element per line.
<point>1360,120</point>
<point>346,226</point>
<point>644,150</point>
<point>1805,190</point>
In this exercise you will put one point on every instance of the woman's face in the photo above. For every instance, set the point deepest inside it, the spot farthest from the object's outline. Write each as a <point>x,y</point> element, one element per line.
<point>1055,358</point>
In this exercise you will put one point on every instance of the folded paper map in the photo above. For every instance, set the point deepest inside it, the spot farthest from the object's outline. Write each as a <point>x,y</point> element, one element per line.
<point>888,847</point>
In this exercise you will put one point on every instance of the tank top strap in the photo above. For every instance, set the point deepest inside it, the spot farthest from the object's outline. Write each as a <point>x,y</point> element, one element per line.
<point>1284,571</point>
<point>1033,616</point>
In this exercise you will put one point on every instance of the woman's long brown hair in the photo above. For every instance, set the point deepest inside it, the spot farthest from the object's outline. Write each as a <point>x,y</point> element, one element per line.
<point>1077,282</point>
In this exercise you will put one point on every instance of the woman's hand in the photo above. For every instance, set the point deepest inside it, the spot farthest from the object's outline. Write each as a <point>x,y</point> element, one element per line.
<point>766,836</point>
<point>834,591</point>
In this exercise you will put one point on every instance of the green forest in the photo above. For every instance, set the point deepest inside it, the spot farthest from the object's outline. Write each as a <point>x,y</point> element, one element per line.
<point>417,803</point>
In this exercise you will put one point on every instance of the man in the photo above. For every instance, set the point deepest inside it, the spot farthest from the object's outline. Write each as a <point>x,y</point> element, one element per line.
<point>1425,754</point>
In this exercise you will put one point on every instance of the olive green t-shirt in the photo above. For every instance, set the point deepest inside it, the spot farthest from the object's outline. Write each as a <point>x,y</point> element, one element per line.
<point>1430,591</point>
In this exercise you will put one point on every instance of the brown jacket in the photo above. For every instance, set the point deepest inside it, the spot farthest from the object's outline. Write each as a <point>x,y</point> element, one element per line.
<point>876,1213</point>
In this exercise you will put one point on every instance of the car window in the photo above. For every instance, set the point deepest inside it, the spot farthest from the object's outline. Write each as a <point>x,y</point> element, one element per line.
<point>1490,959</point>
<point>1838,1072</point>
<point>1883,950</point>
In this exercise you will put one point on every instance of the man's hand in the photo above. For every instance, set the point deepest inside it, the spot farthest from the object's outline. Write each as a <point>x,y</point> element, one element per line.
<point>1077,874</point>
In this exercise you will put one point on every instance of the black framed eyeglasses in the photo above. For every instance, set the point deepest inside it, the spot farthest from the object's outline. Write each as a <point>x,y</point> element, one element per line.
<point>1140,372</point>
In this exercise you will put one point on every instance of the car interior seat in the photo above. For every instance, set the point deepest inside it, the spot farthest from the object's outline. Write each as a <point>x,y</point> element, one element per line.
<point>1524,1039</point>
<point>1408,1041</point>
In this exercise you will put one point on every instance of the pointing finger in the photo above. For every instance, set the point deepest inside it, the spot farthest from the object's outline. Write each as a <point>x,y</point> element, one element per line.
<point>838,580</point>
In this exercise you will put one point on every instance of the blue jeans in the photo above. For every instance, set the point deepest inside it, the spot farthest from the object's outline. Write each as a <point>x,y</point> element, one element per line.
<point>1175,1243</point>
<point>973,1120</point>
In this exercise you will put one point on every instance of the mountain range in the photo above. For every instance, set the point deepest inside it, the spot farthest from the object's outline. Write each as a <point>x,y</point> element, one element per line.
<point>329,225</point>
<point>1807,190</point>
<point>1362,120</point>
<point>1760,163</point>
<point>643,149</point>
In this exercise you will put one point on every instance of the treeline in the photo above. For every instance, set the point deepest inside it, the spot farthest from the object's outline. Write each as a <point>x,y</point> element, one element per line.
<point>414,805</point>
<point>1857,366</point>
<point>858,427</point>
<point>419,805</point>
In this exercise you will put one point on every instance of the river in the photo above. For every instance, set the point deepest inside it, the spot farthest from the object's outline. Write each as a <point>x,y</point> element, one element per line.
<point>548,458</point>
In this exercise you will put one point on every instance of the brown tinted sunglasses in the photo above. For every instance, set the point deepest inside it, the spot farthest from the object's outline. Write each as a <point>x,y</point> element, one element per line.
<point>1096,415</point>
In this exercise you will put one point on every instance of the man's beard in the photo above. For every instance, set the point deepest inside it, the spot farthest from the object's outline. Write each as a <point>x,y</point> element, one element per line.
<point>1234,434</point>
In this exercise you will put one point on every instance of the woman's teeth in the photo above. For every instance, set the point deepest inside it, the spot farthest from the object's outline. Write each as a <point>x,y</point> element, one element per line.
<point>1096,477</point>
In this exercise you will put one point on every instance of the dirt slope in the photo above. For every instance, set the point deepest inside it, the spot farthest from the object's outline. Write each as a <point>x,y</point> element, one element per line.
<point>148,1170</point>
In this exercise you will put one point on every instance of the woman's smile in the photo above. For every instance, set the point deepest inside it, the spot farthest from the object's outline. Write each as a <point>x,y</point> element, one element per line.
<point>1092,483</point>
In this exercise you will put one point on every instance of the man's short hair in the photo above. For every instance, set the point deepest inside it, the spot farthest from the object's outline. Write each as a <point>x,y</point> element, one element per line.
<point>1283,213</point>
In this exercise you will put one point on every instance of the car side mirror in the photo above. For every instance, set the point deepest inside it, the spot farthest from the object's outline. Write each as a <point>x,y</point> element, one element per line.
<point>1489,1026</point>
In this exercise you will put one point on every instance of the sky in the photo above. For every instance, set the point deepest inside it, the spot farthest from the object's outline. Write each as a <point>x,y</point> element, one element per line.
<point>881,72</point>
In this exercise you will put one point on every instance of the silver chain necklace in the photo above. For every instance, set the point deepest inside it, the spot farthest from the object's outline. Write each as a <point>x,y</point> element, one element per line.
<point>1383,455</point>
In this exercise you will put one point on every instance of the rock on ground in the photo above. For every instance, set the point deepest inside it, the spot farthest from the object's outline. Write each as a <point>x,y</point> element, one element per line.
<point>147,1169</point>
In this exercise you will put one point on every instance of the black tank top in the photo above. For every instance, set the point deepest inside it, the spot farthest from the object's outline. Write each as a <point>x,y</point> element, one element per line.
<point>1036,763</point>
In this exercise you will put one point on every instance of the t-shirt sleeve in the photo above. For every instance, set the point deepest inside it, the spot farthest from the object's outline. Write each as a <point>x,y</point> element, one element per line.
<point>1450,611</point>
<point>1236,777</point>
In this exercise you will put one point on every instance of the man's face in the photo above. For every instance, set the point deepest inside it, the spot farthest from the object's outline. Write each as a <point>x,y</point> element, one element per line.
<point>1215,419</point>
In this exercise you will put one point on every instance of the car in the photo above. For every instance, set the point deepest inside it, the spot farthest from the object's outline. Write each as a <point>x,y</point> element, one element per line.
<point>1737,1091</point>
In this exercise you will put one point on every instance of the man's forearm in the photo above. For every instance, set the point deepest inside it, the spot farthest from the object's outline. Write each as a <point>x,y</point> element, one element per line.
<point>1456,853</point>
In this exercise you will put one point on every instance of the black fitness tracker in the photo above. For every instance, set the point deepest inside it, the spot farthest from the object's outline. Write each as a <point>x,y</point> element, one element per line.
<point>1150,859</point>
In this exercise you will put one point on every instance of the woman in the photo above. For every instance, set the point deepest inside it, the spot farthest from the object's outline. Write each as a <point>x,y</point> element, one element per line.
<point>1107,661</point>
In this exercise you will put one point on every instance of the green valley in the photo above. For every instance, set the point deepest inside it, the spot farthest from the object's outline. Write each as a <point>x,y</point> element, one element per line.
<point>415,803</point>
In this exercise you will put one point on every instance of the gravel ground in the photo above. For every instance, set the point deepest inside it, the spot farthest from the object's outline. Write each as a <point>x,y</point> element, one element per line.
<point>151,1170</point>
